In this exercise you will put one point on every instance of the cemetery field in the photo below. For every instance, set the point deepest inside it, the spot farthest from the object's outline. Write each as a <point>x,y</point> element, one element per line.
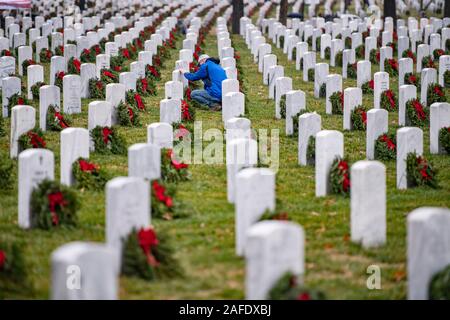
<point>204,241</point>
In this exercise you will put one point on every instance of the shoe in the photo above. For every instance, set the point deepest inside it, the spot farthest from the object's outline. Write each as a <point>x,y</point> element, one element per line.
<point>216,107</point>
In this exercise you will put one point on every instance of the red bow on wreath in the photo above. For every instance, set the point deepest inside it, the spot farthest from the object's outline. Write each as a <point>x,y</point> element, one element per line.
<point>131,114</point>
<point>182,132</point>
<point>60,75</point>
<point>371,84</point>
<point>188,94</point>
<point>144,84</point>
<point>390,144</point>
<point>438,91</point>
<point>390,97</point>
<point>35,140</point>
<point>48,54</point>
<point>2,259</point>
<point>106,133</point>
<point>147,239</point>
<point>160,193</point>
<point>423,171</point>
<point>185,110</point>
<point>177,165</point>
<point>343,167</point>
<point>86,166</point>
<point>61,120</point>
<point>139,102</point>
<point>109,74</point>
<point>55,199</point>
<point>77,64</point>
<point>419,110</point>
<point>153,71</point>
<point>126,53</point>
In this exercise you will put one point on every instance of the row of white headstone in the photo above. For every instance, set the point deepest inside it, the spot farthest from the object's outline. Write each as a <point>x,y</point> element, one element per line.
<point>95,265</point>
<point>377,118</point>
<point>368,193</point>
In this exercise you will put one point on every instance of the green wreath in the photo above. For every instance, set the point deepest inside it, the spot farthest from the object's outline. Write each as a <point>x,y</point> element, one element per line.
<point>419,171</point>
<point>53,204</point>
<point>107,140</point>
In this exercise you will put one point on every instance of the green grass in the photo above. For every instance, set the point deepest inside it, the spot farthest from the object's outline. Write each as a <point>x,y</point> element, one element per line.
<point>204,241</point>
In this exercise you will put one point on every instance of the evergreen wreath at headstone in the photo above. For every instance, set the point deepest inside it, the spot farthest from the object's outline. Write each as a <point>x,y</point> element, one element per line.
<point>374,56</point>
<point>427,62</point>
<point>107,140</point>
<point>59,51</point>
<point>148,255</point>
<point>145,87</point>
<point>35,89</point>
<point>412,78</point>
<point>288,288</point>
<point>97,89</point>
<point>391,67</point>
<point>419,171</point>
<point>359,118</point>
<point>59,76</point>
<point>6,172</point>
<point>32,139</point>
<point>386,147</point>
<point>15,100</point>
<point>311,151</point>
<point>74,66</point>
<point>444,139</point>
<point>52,205</point>
<point>360,52</point>
<point>173,170</point>
<point>337,102</point>
<point>417,115</point>
<point>182,132</point>
<point>388,100</point>
<point>437,53</point>
<point>340,177</point>
<point>447,79</point>
<point>352,69</point>
<point>56,119</point>
<point>163,203</point>
<point>88,175</point>
<point>439,287</point>
<point>435,93</point>
<point>25,64</point>
<point>87,56</point>
<point>45,55</point>
<point>13,269</point>
<point>108,76</point>
<point>128,115</point>
<point>409,54</point>
<point>134,99</point>
<point>367,87</point>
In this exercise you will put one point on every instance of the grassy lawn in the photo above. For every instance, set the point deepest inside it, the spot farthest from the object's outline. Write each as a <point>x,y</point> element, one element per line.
<point>204,241</point>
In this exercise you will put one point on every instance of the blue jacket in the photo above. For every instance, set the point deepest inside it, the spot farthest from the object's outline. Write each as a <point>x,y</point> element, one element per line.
<point>212,75</point>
